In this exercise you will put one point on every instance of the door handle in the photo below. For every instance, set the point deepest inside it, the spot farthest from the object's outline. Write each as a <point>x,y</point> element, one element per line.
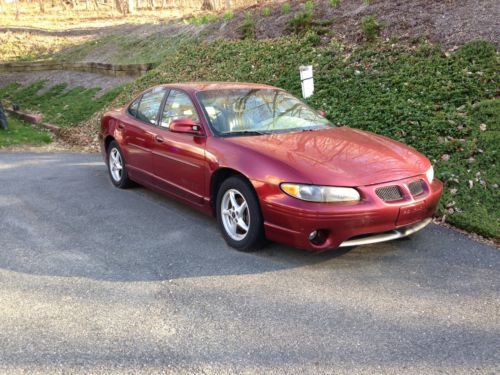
<point>121,125</point>
<point>159,139</point>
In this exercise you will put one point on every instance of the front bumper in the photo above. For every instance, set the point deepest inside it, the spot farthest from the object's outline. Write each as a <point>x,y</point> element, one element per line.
<point>290,221</point>
<point>386,236</point>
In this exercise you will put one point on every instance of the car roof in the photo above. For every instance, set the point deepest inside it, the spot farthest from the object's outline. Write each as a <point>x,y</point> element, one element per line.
<point>204,86</point>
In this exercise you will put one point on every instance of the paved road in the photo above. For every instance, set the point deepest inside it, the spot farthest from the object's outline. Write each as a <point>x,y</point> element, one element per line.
<point>98,280</point>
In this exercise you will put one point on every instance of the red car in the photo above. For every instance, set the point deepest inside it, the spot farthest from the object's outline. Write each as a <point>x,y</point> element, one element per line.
<point>268,166</point>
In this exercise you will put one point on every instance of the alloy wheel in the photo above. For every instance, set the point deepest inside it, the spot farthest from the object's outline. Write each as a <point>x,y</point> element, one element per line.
<point>235,214</point>
<point>115,164</point>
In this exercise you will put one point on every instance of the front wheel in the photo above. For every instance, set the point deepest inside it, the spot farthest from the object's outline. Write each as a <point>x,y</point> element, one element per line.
<point>239,216</point>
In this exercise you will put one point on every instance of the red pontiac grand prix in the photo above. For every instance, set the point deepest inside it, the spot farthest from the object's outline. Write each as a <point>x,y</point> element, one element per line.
<point>268,166</point>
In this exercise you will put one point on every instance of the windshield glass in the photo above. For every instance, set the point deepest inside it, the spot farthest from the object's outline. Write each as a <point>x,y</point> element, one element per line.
<point>256,111</point>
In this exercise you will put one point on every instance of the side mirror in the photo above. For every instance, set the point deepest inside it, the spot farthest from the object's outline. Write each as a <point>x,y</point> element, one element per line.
<point>187,126</point>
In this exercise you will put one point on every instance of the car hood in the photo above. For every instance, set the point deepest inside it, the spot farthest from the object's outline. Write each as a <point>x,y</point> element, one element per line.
<point>339,156</point>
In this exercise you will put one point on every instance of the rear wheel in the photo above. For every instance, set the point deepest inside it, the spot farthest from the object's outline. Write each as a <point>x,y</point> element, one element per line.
<point>239,216</point>
<point>116,167</point>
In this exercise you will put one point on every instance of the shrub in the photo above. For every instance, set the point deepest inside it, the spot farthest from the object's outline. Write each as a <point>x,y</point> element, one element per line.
<point>228,15</point>
<point>309,6</point>
<point>371,27</point>
<point>334,3</point>
<point>285,8</point>
<point>312,38</point>
<point>203,19</point>
<point>266,12</point>
<point>302,20</point>
<point>248,26</point>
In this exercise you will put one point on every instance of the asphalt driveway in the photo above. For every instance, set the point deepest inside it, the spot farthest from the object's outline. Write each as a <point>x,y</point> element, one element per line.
<point>99,280</point>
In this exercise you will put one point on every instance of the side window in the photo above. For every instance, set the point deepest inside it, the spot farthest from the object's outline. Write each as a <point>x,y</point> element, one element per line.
<point>150,105</point>
<point>178,105</point>
<point>132,109</point>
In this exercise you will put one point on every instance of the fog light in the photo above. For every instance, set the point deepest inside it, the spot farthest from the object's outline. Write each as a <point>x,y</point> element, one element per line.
<point>318,237</point>
<point>313,235</point>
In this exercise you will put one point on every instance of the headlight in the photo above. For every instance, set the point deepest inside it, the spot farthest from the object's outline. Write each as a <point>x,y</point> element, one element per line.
<point>430,174</point>
<point>313,193</point>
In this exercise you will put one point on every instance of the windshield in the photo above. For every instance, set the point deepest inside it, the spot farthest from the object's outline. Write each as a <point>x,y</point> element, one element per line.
<point>258,111</point>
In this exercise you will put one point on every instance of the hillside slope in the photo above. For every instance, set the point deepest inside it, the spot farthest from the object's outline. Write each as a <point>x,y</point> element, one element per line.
<point>439,98</point>
<point>442,104</point>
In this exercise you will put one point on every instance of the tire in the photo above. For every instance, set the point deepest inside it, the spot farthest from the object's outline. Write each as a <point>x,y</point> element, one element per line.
<point>229,215</point>
<point>119,177</point>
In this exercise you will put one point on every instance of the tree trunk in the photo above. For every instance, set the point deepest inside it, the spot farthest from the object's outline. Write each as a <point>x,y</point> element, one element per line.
<point>207,5</point>
<point>131,6</point>
<point>119,7</point>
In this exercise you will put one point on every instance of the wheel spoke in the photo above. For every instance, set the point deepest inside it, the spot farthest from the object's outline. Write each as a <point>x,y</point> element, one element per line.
<point>232,197</point>
<point>241,208</point>
<point>226,212</point>
<point>232,225</point>
<point>242,225</point>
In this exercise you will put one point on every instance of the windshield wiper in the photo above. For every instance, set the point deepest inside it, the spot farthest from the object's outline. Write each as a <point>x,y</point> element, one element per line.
<point>312,128</point>
<point>243,132</point>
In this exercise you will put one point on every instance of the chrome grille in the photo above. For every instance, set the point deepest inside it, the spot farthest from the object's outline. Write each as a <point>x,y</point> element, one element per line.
<point>389,193</point>
<point>416,187</point>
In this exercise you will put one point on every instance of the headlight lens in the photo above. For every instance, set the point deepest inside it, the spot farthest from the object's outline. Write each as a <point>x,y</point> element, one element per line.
<point>430,174</point>
<point>314,193</point>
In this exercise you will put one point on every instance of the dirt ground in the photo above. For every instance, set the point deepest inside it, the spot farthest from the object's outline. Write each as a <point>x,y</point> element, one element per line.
<point>448,22</point>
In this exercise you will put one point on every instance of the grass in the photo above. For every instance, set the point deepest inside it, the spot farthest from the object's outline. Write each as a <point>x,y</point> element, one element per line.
<point>203,19</point>
<point>26,46</point>
<point>21,132</point>
<point>59,106</point>
<point>126,49</point>
<point>286,8</point>
<point>228,15</point>
<point>433,101</point>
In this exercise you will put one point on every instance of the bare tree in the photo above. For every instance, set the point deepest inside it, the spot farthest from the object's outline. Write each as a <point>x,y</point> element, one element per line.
<point>131,6</point>
<point>207,5</point>
<point>120,7</point>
